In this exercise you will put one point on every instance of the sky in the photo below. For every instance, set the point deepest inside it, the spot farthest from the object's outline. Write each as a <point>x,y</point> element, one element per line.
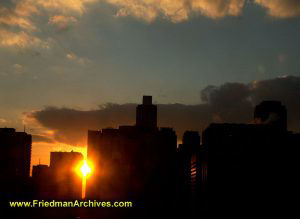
<point>67,66</point>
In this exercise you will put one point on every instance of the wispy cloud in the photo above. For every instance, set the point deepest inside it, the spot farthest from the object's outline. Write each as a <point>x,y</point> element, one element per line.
<point>62,5</point>
<point>17,27</point>
<point>27,7</point>
<point>73,57</point>
<point>62,21</point>
<point>218,8</point>
<point>20,39</point>
<point>2,121</point>
<point>11,18</point>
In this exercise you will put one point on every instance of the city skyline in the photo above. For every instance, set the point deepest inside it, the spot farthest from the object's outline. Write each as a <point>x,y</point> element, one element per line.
<point>61,57</point>
<point>142,162</point>
<point>36,156</point>
<point>114,105</point>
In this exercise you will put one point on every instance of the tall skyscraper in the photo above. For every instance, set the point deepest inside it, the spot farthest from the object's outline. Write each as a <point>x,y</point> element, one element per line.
<point>134,162</point>
<point>146,114</point>
<point>15,153</point>
<point>192,172</point>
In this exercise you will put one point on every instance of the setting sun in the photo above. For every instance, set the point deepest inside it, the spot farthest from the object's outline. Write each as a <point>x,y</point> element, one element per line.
<point>85,168</point>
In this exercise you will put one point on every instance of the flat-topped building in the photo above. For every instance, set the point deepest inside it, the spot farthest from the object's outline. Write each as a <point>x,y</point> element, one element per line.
<point>15,153</point>
<point>146,114</point>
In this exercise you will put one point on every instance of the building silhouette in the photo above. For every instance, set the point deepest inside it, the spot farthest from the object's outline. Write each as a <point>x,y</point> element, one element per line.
<point>40,171</point>
<point>66,184</point>
<point>15,153</point>
<point>14,162</point>
<point>42,181</point>
<point>252,163</point>
<point>185,151</point>
<point>146,114</point>
<point>192,174</point>
<point>61,180</point>
<point>134,162</point>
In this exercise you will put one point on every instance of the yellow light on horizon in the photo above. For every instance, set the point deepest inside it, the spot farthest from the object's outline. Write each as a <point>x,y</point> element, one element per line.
<point>85,169</point>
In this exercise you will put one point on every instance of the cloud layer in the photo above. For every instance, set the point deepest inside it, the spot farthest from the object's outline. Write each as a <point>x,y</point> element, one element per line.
<point>177,10</point>
<point>17,26</point>
<point>181,10</point>
<point>230,102</point>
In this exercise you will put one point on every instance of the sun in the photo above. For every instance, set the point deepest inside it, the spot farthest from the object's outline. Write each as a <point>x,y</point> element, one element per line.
<point>85,169</point>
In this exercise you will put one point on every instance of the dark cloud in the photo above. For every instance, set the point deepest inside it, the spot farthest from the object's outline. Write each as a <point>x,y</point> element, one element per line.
<point>230,102</point>
<point>71,125</point>
<point>285,89</point>
<point>43,139</point>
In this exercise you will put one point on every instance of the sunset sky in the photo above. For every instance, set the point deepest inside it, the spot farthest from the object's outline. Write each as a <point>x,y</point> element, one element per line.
<point>67,66</point>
